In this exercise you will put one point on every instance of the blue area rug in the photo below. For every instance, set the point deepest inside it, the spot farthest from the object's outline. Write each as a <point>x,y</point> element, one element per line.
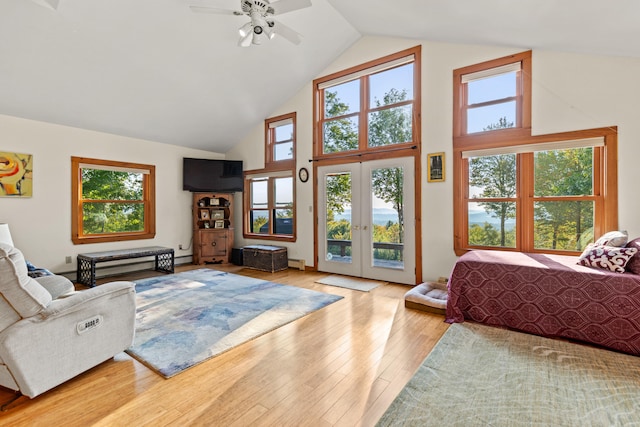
<point>186,318</point>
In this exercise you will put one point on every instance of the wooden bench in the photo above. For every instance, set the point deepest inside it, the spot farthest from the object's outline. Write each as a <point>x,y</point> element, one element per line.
<point>86,270</point>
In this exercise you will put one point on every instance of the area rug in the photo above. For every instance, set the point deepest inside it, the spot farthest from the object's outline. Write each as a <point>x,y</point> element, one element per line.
<point>363,285</point>
<point>186,318</point>
<point>478,375</point>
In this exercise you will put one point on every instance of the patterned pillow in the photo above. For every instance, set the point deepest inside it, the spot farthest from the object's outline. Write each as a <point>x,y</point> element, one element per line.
<point>634,263</point>
<point>613,238</point>
<point>607,257</point>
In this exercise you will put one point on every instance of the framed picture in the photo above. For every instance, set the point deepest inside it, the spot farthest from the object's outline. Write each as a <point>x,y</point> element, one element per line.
<point>16,174</point>
<point>204,213</point>
<point>217,214</point>
<point>435,167</point>
<point>214,202</point>
<point>219,223</point>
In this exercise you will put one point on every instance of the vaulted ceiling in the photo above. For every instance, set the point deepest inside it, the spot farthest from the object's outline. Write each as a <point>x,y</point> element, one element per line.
<point>153,69</point>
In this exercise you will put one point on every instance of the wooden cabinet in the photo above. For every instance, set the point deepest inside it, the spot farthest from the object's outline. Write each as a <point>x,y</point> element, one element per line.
<point>212,227</point>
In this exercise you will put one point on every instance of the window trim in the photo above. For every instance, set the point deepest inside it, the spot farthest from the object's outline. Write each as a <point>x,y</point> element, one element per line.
<point>149,201</point>
<point>269,137</point>
<point>271,176</point>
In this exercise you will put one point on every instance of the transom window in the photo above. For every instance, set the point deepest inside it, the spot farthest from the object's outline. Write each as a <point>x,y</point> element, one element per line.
<point>370,107</point>
<point>112,200</point>
<point>515,191</point>
<point>280,136</point>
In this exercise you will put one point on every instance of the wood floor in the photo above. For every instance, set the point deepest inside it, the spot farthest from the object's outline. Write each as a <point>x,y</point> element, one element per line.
<point>340,366</point>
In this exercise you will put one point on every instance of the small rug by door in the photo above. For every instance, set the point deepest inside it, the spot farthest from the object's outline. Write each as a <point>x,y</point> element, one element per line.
<point>363,285</point>
<point>479,375</point>
<point>186,318</point>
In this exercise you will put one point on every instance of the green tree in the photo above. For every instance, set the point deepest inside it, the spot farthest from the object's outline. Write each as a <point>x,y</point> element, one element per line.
<point>561,224</point>
<point>496,175</point>
<point>117,197</point>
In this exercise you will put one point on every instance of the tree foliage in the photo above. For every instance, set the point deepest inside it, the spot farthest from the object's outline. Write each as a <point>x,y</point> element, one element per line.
<point>112,201</point>
<point>558,224</point>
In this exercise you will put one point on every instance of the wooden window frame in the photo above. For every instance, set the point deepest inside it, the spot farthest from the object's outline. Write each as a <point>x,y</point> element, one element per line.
<point>605,191</point>
<point>148,184</point>
<point>362,73</point>
<point>270,176</point>
<point>270,142</point>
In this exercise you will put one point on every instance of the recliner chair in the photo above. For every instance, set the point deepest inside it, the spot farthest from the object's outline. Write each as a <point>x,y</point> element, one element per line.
<point>49,333</point>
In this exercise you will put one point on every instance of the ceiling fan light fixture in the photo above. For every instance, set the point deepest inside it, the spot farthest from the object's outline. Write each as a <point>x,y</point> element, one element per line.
<point>245,30</point>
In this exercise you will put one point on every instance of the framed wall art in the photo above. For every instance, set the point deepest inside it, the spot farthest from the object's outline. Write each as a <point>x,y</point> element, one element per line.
<point>16,174</point>
<point>435,167</point>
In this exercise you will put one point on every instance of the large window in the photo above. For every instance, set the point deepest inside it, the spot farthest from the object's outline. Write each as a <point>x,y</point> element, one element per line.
<point>112,201</point>
<point>270,205</point>
<point>269,197</point>
<point>515,191</point>
<point>369,108</point>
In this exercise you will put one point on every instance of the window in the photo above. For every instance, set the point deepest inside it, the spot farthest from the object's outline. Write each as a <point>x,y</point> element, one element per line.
<point>112,201</point>
<point>270,200</point>
<point>514,191</point>
<point>493,96</point>
<point>270,192</point>
<point>280,137</point>
<point>372,107</point>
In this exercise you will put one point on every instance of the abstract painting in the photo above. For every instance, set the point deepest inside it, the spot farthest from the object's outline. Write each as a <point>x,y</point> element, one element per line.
<point>16,174</point>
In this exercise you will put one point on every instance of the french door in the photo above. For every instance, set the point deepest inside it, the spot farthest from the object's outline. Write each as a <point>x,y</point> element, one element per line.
<point>366,219</point>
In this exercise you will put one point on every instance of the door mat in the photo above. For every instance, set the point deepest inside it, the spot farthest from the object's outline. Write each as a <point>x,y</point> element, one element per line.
<point>356,284</point>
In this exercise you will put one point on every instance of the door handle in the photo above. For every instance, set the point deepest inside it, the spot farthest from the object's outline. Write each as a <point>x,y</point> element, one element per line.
<point>356,227</point>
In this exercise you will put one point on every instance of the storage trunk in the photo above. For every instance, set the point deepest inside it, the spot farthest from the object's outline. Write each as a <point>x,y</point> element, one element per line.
<point>265,258</point>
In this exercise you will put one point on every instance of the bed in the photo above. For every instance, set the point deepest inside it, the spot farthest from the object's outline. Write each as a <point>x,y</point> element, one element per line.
<point>547,295</point>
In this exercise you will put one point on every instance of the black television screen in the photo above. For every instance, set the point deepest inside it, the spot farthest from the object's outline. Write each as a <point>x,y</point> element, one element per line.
<point>204,175</point>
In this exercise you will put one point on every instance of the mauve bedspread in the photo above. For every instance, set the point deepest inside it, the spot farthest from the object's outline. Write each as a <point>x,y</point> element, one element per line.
<point>548,295</point>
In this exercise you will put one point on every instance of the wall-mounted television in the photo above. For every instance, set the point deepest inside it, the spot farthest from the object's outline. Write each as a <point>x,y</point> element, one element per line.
<point>205,175</point>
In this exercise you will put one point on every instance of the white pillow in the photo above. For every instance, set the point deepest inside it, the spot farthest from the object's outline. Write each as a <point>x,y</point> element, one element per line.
<point>613,238</point>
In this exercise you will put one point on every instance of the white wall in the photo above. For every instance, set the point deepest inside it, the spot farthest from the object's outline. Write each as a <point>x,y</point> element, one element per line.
<point>41,225</point>
<point>570,92</point>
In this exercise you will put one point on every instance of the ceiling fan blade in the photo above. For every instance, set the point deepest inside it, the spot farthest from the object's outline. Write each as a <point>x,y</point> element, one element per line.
<point>284,6</point>
<point>217,11</point>
<point>286,32</point>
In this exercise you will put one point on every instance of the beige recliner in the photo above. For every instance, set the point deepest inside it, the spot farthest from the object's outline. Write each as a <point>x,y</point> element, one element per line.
<point>50,333</point>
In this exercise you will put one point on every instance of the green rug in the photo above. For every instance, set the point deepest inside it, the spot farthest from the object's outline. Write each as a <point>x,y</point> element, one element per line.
<point>484,376</point>
<point>186,318</point>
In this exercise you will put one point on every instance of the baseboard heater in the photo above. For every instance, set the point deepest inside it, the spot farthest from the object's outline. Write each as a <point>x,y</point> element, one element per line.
<point>296,263</point>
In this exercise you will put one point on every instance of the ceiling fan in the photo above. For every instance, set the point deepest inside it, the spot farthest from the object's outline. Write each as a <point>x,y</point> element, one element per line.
<point>262,23</point>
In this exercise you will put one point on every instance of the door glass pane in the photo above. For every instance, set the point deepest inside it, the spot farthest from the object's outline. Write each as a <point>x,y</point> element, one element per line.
<point>387,218</point>
<point>338,188</point>
<point>563,225</point>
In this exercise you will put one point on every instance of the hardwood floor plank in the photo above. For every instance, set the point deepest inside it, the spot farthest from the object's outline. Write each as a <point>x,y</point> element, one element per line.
<point>339,366</point>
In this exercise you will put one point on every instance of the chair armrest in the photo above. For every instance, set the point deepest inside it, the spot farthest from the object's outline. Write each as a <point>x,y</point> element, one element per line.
<point>56,285</point>
<point>76,300</point>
